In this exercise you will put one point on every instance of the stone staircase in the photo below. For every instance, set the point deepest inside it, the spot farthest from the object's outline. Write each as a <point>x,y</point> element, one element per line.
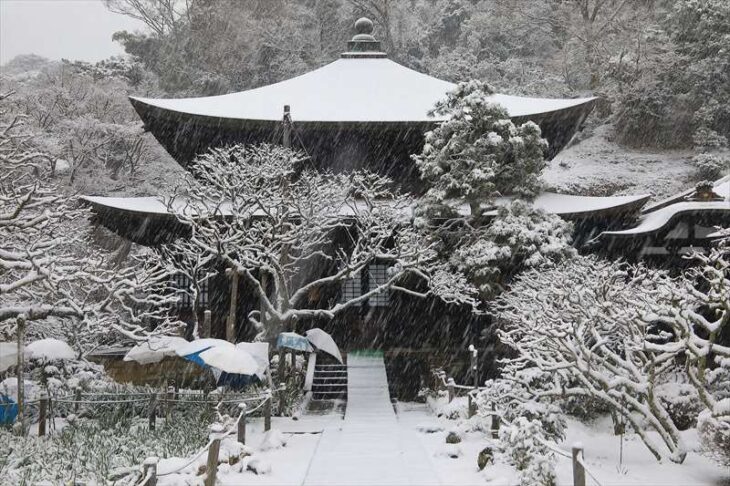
<point>330,381</point>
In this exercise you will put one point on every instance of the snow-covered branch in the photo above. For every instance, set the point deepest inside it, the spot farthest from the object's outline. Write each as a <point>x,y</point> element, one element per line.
<point>294,233</point>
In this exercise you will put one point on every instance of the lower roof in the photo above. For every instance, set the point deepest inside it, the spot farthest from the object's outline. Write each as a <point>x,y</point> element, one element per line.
<point>659,215</point>
<point>560,204</point>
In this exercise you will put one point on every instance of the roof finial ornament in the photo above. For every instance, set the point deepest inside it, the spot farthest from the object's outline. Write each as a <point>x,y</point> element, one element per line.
<point>364,26</point>
<point>363,44</point>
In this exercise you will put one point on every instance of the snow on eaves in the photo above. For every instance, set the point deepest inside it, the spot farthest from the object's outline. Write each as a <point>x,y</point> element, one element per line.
<point>560,204</point>
<point>348,90</point>
<point>657,219</point>
<point>720,187</point>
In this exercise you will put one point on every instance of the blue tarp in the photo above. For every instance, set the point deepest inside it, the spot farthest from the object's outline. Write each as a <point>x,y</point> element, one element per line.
<point>233,380</point>
<point>8,410</point>
<point>195,358</point>
<point>293,341</point>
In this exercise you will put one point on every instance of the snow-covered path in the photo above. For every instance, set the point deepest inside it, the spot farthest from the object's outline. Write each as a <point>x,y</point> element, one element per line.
<point>371,446</point>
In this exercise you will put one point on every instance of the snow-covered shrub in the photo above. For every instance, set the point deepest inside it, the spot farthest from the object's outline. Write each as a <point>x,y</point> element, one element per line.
<point>520,236</point>
<point>517,396</point>
<point>587,324</point>
<point>88,450</point>
<point>682,402</point>
<point>441,407</point>
<point>715,437</point>
<point>523,442</point>
<point>584,408</point>
<point>478,153</point>
<point>711,166</point>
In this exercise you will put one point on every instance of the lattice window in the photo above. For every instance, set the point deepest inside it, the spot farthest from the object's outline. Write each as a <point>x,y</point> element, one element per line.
<point>378,275</point>
<point>181,285</point>
<point>351,288</point>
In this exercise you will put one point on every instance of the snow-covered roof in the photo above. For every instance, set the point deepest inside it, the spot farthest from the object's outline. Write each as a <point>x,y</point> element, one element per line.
<point>155,205</point>
<point>720,187</point>
<point>560,204</point>
<point>656,220</point>
<point>356,90</point>
<point>569,205</point>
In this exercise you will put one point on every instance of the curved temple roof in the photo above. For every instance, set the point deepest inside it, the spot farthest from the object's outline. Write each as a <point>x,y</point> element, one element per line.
<point>658,216</point>
<point>349,90</point>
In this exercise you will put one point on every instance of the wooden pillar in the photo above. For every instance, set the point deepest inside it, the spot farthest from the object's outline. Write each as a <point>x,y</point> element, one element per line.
<point>282,364</point>
<point>451,387</point>
<point>495,422</point>
<point>282,398</point>
<point>212,465</point>
<point>152,413</point>
<point>267,414</point>
<point>21,379</point>
<point>231,324</point>
<point>475,372</point>
<point>264,281</point>
<point>43,414</point>
<point>207,317</point>
<point>474,364</point>
<point>286,123</point>
<point>77,399</point>
<point>169,402</point>
<point>242,424</point>
<point>150,469</point>
<point>579,473</point>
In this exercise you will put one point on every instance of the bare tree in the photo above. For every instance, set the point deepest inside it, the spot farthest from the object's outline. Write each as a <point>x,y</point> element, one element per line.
<point>588,325</point>
<point>48,267</point>
<point>290,232</point>
<point>161,16</point>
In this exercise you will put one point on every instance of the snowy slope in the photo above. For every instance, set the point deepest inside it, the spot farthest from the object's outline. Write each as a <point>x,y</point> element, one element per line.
<point>597,166</point>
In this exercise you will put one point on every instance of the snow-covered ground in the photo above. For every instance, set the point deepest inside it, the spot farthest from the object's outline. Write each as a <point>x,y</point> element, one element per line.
<point>601,455</point>
<point>596,166</point>
<point>292,464</point>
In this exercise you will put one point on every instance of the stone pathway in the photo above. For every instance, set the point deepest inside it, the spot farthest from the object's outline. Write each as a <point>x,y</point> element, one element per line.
<point>370,446</point>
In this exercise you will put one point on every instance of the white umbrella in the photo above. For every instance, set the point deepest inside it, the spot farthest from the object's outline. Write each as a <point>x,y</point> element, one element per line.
<point>49,349</point>
<point>155,350</point>
<point>231,360</point>
<point>324,342</point>
<point>201,344</point>
<point>8,355</point>
<point>259,351</point>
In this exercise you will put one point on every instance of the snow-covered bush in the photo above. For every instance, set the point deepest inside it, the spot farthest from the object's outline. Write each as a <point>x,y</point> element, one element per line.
<point>584,408</point>
<point>516,396</point>
<point>90,449</point>
<point>715,437</point>
<point>587,323</point>
<point>711,166</point>
<point>682,402</point>
<point>523,442</point>
<point>478,153</point>
<point>519,236</point>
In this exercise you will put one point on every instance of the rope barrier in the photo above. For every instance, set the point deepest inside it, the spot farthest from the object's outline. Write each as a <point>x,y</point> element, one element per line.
<point>555,449</point>
<point>99,402</point>
<point>222,436</point>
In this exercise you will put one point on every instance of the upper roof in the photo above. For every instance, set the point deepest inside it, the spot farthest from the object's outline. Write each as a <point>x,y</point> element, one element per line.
<point>359,89</point>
